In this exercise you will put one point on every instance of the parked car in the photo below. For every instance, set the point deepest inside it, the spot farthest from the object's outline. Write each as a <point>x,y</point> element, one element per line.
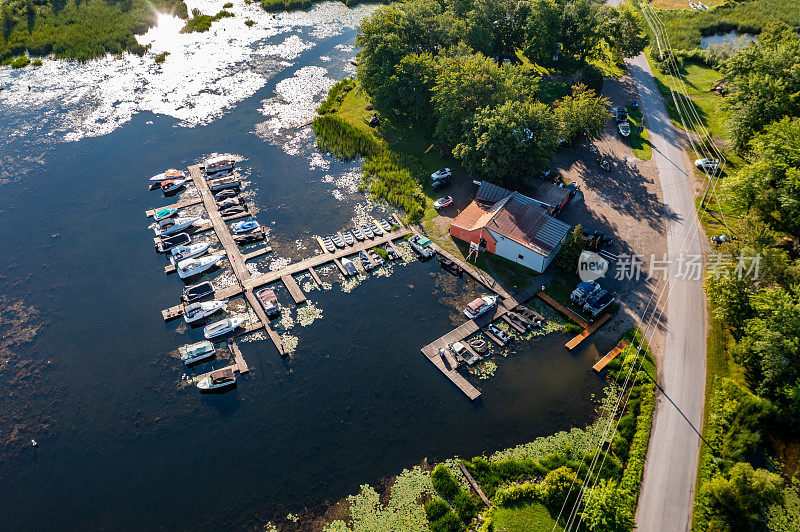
<point>584,291</point>
<point>621,114</point>
<point>443,202</point>
<point>593,233</point>
<point>598,302</point>
<point>444,173</point>
<point>707,165</point>
<point>440,184</point>
<point>719,239</point>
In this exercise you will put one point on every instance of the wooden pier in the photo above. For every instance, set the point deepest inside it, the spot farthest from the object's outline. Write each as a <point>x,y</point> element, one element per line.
<point>315,276</point>
<point>603,362</point>
<point>588,331</point>
<point>480,277</point>
<point>562,309</point>
<point>514,325</point>
<point>475,485</point>
<point>179,205</point>
<point>239,365</point>
<point>293,288</point>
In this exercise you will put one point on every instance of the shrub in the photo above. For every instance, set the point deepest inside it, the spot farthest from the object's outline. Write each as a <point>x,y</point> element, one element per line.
<point>20,62</point>
<point>558,484</point>
<point>571,327</point>
<point>37,62</point>
<point>436,508</point>
<point>466,507</point>
<point>443,482</point>
<point>160,58</point>
<point>515,494</point>
<point>228,5</point>
<point>449,522</point>
<point>249,23</point>
<point>343,140</point>
<point>336,96</point>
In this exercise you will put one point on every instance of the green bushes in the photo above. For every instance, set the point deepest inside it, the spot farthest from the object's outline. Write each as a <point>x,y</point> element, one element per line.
<point>249,23</point>
<point>228,5</point>
<point>201,23</point>
<point>160,58</point>
<point>343,140</point>
<point>273,6</point>
<point>390,178</point>
<point>466,507</point>
<point>336,96</point>
<point>443,482</point>
<point>436,508</point>
<point>20,62</point>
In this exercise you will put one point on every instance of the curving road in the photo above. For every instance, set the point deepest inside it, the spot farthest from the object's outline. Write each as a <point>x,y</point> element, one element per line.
<point>665,504</point>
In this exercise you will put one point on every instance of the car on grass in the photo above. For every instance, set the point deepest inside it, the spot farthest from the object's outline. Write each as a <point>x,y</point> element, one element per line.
<point>443,202</point>
<point>444,173</point>
<point>621,114</point>
<point>707,165</point>
<point>440,184</point>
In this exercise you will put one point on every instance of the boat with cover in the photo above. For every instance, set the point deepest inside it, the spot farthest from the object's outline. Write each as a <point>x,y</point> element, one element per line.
<point>171,226</point>
<point>172,173</point>
<point>216,380</point>
<point>391,251</point>
<point>220,163</point>
<point>222,183</point>
<point>229,202</point>
<point>422,245</point>
<point>249,238</point>
<point>385,225</point>
<point>348,238</point>
<point>269,301</point>
<point>358,234</point>
<point>368,232</point>
<point>197,311</point>
<point>165,213</point>
<point>172,185</point>
<point>219,328</point>
<point>338,241</point>
<point>376,229</point>
<point>376,259</point>
<point>193,353</point>
<point>624,129</point>
<point>479,345</point>
<point>168,242</point>
<point>349,266</point>
<point>245,226</point>
<point>190,267</point>
<point>366,261</point>
<point>179,253</point>
<point>225,194</point>
<point>197,292</point>
<point>480,306</point>
<point>233,211</point>
<point>328,243</point>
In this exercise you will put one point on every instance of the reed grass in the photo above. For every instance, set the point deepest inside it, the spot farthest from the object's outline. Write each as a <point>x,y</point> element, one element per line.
<point>343,140</point>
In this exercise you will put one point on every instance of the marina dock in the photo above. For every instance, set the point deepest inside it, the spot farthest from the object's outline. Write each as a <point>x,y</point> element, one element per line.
<point>239,365</point>
<point>588,328</point>
<point>293,288</point>
<point>481,278</point>
<point>603,362</point>
<point>562,309</point>
<point>179,205</point>
<point>588,331</point>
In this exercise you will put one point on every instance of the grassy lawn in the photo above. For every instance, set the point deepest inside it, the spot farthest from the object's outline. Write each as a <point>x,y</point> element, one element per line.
<point>681,4</point>
<point>526,517</point>
<point>640,143</point>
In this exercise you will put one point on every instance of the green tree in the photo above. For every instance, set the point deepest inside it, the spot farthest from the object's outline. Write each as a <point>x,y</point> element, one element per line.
<point>406,95</point>
<point>381,47</point>
<point>466,508</point>
<point>625,31</point>
<point>542,31</point>
<point>509,142</point>
<point>497,27</point>
<point>561,483</point>
<point>582,28</point>
<point>740,502</point>
<point>606,508</point>
<point>571,250</point>
<point>581,113</point>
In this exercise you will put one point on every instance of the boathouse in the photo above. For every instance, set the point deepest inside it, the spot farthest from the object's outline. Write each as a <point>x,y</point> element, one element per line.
<point>551,197</point>
<point>512,226</point>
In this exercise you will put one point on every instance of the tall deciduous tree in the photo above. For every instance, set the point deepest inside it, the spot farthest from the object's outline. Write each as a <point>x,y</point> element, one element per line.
<point>625,31</point>
<point>406,95</point>
<point>542,31</point>
<point>381,47</point>
<point>743,498</point>
<point>583,112</point>
<point>607,508</point>
<point>582,28</point>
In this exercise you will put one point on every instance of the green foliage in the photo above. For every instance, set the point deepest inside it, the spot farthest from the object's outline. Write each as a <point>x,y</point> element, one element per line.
<point>542,31</point>
<point>606,509</point>
<point>201,23</point>
<point>581,113</point>
<point>436,508</point>
<point>160,58</point>
<point>592,77</point>
<point>626,29</point>
<point>449,522</point>
<point>273,6</point>
<point>786,517</point>
<point>249,23</point>
<point>20,61</point>
<point>571,249</point>
<point>740,501</point>
<point>227,5</point>
<point>343,140</point>
<point>336,96</point>
<point>443,482</point>
<point>465,505</point>
<point>572,328</point>
<point>582,25</point>
<point>560,485</point>
<point>406,95</point>
<point>395,179</point>
<point>37,62</point>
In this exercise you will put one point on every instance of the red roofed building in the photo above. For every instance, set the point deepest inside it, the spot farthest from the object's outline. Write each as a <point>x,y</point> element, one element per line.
<point>514,226</point>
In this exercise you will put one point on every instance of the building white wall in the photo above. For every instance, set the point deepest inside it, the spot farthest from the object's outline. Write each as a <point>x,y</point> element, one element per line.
<point>512,251</point>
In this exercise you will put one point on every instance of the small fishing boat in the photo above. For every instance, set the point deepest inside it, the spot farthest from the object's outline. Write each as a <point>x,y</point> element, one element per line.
<point>249,238</point>
<point>376,259</point>
<point>245,226</point>
<point>328,243</point>
<point>190,267</point>
<point>225,194</point>
<point>385,225</point>
<point>165,213</point>
<point>216,380</point>
<point>197,311</point>
<point>358,234</point>
<point>338,241</point>
<point>170,226</point>
<point>168,242</point>
<point>172,185</point>
<point>229,202</point>
<point>172,173</point>
<point>197,292</point>
<point>223,183</point>
<point>391,251</point>
<point>480,345</point>
<point>269,301</point>
<point>220,163</point>
<point>348,238</point>
<point>480,306</point>
<point>366,261</point>
<point>624,129</point>
<point>422,245</point>
<point>219,328</point>
<point>368,232</point>
<point>349,266</point>
<point>179,253</point>
<point>500,334</point>
<point>233,211</point>
<point>193,353</point>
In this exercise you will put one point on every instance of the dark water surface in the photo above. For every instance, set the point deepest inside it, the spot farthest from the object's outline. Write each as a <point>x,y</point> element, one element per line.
<point>129,448</point>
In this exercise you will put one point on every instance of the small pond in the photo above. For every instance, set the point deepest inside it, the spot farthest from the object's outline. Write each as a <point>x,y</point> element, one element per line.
<point>739,40</point>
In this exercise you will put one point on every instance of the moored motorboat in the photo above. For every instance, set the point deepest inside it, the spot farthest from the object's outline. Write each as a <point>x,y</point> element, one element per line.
<point>170,226</point>
<point>328,243</point>
<point>348,238</point>
<point>368,232</point>
<point>228,202</point>
<point>245,226</point>
<point>422,245</point>
<point>165,213</point>
<point>349,266</point>
<point>366,261</point>
<point>179,253</point>
<point>391,251</point>
<point>172,173</point>
<point>480,345</point>
<point>338,241</point>
<point>376,259</point>
<point>233,210</point>
<point>172,185</point>
<point>197,292</point>
<point>249,238</point>
<point>220,163</point>
<point>168,242</point>
<point>269,301</point>
<point>219,328</point>
<point>216,380</point>
<point>358,234</point>
<point>225,194</point>
<point>197,311</point>
<point>190,267</point>
<point>479,306</point>
<point>222,183</point>
<point>193,353</point>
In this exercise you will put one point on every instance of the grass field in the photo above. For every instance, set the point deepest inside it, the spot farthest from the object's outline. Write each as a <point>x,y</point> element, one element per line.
<point>681,4</point>
<point>640,142</point>
<point>526,517</point>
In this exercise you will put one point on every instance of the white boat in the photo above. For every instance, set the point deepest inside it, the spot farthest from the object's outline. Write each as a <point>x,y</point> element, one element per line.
<point>376,228</point>
<point>222,183</point>
<point>172,173</point>
<point>218,328</point>
<point>422,245</point>
<point>244,227</point>
<point>269,301</point>
<point>192,353</point>
<point>171,226</point>
<point>222,378</point>
<point>624,129</point>
<point>197,311</point>
<point>480,306</point>
<point>348,266</point>
<point>171,185</point>
<point>358,234</point>
<point>220,163</point>
<point>190,267</point>
<point>165,213</point>
<point>191,251</point>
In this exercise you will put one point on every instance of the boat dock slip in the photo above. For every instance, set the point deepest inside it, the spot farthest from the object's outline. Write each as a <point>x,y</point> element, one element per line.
<point>562,309</point>
<point>475,485</point>
<point>397,219</point>
<point>179,205</point>
<point>257,253</point>
<point>341,268</point>
<point>572,344</point>
<point>493,338</point>
<point>293,288</point>
<point>482,278</point>
<point>603,362</point>
<point>224,293</point>
<point>315,276</point>
<point>321,244</point>
<point>239,365</point>
<point>513,324</point>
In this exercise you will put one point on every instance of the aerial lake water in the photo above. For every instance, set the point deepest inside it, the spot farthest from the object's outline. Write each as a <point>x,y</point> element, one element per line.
<point>123,442</point>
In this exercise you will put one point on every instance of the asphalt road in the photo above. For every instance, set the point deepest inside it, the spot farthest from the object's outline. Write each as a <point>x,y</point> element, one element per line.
<point>665,504</point>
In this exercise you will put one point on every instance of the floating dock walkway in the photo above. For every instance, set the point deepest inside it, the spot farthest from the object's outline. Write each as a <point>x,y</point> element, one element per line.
<point>603,362</point>
<point>239,365</point>
<point>588,328</point>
